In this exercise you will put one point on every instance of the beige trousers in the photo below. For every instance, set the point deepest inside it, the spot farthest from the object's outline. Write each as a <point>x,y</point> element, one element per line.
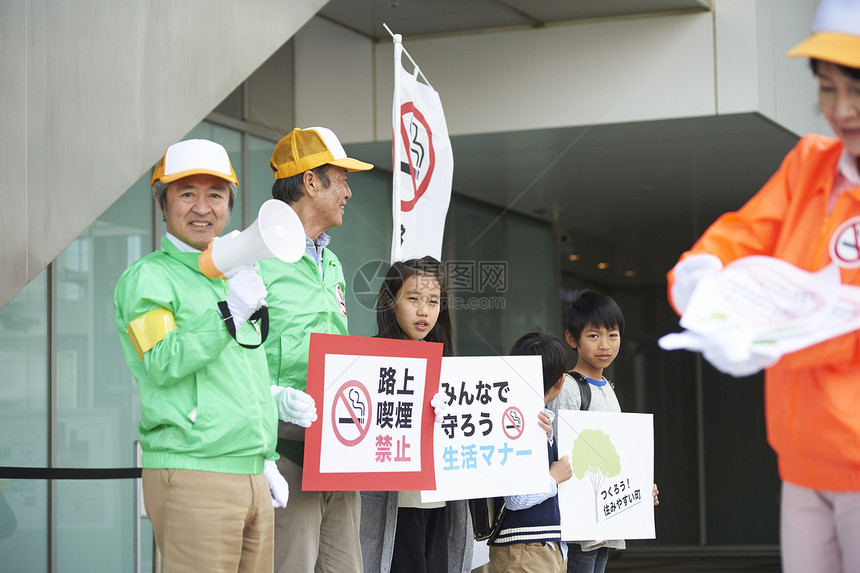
<point>318,530</point>
<point>535,557</point>
<point>213,522</point>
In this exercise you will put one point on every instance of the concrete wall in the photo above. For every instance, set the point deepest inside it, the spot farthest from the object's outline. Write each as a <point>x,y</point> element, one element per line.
<point>334,70</point>
<point>13,148</point>
<point>270,94</point>
<point>793,91</point>
<point>753,74</point>
<point>730,60</point>
<point>577,74</point>
<point>92,93</point>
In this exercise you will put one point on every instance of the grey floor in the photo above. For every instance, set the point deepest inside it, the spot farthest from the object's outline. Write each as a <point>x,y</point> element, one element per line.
<point>687,564</point>
<point>695,564</point>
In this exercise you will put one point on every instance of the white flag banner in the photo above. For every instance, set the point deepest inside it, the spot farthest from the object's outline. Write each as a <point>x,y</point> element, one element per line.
<point>423,165</point>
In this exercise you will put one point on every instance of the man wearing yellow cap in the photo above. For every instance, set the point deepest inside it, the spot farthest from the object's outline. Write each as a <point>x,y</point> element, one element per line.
<point>808,214</point>
<point>318,531</point>
<point>208,421</point>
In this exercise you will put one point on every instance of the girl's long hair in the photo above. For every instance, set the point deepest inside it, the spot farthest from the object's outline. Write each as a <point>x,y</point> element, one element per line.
<point>386,320</point>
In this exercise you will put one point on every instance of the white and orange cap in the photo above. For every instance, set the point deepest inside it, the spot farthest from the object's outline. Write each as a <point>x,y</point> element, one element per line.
<point>304,149</point>
<point>192,157</point>
<point>835,34</point>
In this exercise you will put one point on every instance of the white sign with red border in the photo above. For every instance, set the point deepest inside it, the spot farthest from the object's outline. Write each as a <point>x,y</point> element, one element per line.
<point>375,430</point>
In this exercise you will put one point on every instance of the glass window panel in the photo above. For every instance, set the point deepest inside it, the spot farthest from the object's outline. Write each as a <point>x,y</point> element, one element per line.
<point>363,245</point>
<point>147,546</point>
<point>260,177</point>
<point>733,448</point>
<point>94,518</point>
<point>24,427</point>
<point>528,278</point>
<point>476,303</point>
<point>23,525</point>
<point>97,398</point>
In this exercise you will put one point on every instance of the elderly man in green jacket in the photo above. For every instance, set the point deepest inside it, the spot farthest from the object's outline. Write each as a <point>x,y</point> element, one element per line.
<point>318,531</point>
<point>208,421</point>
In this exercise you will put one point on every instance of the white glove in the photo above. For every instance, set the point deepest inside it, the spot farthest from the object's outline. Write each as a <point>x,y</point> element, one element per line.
<point>294,406</point>
<point>687,275</point>
<point>278,486</point>
<point>440,405</point>
<point>245,294</point>
<point>733,357</point>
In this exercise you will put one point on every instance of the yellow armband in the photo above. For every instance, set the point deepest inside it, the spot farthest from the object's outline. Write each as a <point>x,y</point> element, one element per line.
<point>149,329</point>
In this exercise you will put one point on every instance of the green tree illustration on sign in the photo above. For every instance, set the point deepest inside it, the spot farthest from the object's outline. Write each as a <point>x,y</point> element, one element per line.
<point>594,456</point>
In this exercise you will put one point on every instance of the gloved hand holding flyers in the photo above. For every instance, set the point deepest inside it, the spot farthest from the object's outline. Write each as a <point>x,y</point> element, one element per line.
<point>746,316</point>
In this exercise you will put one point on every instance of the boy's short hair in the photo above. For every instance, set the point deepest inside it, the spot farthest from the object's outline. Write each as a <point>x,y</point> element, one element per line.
<point>551,350</point>
<point>594,308</point>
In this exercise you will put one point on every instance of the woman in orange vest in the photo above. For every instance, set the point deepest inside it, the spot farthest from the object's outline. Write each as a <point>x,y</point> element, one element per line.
<point>808,214</point>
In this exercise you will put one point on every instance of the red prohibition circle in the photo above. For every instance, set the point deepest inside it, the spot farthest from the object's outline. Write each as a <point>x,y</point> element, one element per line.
<point>409,107</point>
<point>518,429</point>
<point>845,244</point>
<point>340,395</point>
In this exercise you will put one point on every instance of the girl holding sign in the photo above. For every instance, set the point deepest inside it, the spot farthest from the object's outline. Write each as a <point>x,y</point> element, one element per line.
<point>398,531</point>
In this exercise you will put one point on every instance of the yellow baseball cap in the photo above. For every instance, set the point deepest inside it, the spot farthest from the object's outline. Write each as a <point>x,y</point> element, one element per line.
<point>191,157</point>
<point>835,34</point>
<point>304,149</point>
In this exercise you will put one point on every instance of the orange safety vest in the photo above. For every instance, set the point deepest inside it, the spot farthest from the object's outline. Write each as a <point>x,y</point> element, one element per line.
<point>812,396</point>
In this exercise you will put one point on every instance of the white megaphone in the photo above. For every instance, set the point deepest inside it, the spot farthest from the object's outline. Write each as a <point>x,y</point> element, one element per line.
<point>277,232</point>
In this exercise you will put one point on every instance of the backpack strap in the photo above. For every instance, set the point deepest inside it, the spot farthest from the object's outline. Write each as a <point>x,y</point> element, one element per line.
<point>488,513</point>
<point>584,389</point>
<point>500,511</point>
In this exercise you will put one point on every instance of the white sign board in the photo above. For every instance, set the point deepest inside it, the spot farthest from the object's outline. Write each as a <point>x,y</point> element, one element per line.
<point>349,444</point>
<point>376,422</point>
<point>489,443</point>
<point>609,495</point>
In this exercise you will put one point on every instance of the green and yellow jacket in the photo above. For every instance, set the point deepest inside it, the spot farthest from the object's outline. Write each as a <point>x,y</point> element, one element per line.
<point>205,400</point>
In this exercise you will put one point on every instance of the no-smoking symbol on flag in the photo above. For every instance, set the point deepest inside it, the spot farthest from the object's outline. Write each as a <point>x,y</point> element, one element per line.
<point>350,414</point>
<point>420,161</point>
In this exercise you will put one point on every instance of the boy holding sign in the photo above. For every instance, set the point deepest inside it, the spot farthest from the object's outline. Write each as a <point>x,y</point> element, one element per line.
<point>530,536</point>
<point>594,327</point>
